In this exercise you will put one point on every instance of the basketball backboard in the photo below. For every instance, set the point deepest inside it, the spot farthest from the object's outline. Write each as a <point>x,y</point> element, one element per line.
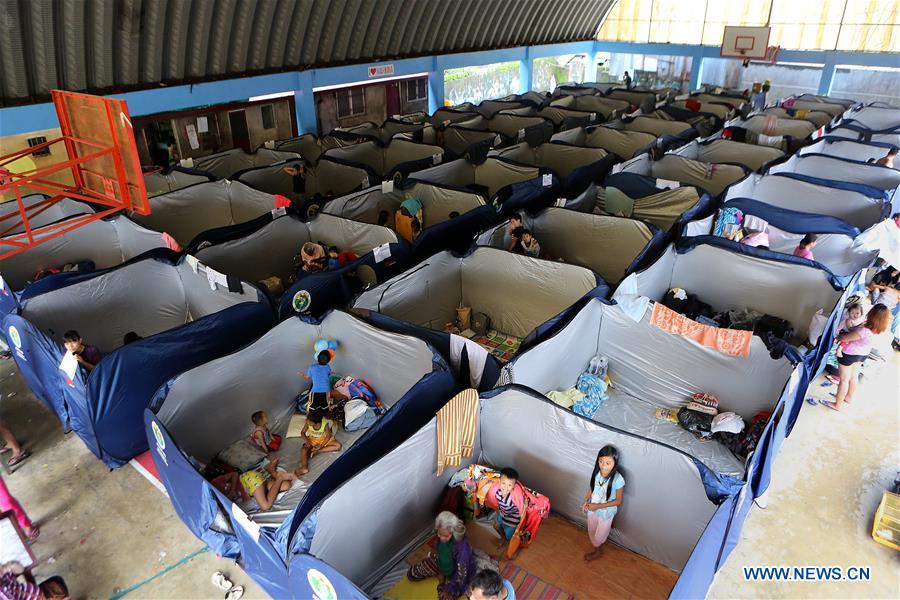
<point>745,42</point>
<point>101,161</point>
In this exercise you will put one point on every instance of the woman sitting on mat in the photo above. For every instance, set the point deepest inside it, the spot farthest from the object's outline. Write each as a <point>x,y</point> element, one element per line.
<point>602,498</point>
<point>855,347</point>
<point>450,560</point>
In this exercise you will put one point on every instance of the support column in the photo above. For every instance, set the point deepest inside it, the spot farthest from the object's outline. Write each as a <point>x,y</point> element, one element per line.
<point>526,66</point>
<point>696,69</point>
<point>305,104</point>
<point>435,87</point>
<point>827,76</point>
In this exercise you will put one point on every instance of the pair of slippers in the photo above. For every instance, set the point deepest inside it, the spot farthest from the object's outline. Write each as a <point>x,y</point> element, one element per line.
<point>18,458</point>
<point>232,592</point>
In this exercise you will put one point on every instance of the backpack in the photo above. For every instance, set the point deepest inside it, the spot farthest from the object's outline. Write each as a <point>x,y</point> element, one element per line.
<point>362,390</point>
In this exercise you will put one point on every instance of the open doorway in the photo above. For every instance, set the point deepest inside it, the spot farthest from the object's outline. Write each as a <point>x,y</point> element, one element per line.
<point>161,144</point>
<point>240,133</point>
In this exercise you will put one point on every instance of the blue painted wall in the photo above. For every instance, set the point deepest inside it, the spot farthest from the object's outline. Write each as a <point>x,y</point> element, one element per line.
<point>23,119</point>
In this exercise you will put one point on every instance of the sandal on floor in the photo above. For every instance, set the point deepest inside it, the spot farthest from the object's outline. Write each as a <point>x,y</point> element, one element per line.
<point>14,460</point>
<point>35,533</point>
<point>5,449</point>
<point>235,593</point>
<point>221,581</point>
<point>812,401</point>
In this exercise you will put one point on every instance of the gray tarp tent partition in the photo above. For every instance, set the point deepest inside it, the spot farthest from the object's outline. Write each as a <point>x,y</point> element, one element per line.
<point>510,125</point>
<point>624,144</point>
<point>437,202</point>
<point>162,182</point>
<point>722,111</point>
<point>518,428</point>
<point>783,289</point>
<point>65,208</point>
<point>841,252</point>
<point>771,125</point>
<point>310,147</point>
<point>326,175</point>
<point>730,101</point>
<point>384,132</point>
<point>562,159</point>
<point>844,148</point>
<point>605,244</point>
<point>147,296</point>
<point>662,209</point>
<point>383,159</point>
<point>636,96</point>
<point>229,162</point>
<point>493,174</point>
<point>453,114</point>
<point>106,243</point>
<point>816,117</point>
<point>517,292</point>
<point>833,109</point>
<point>848,130</point>
<point>458,139</point>
<point>846,103</point>
<point>855,208</point>
<point>728,151</point>
<point>654,126</point>
<point>270,250</point>
<point>186,212</point>
<point>873,118</point>
<point>489,108</point>
<point>651,368</point>
<point>711,177</point>
<point>839,169</point>
<point>208,408</point>
<point>608,108</point>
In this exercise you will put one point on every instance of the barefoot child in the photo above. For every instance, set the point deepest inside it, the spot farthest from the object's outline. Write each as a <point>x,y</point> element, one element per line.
<point>603,498</point>
<point>320,374</point>
<point>265,489</point>
<point>508,515</point>
<point>318,437</point>
<point>261,436</point>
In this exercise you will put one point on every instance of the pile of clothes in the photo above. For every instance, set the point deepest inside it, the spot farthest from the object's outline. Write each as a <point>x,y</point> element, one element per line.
<point>776,332</point>
<point>354,403</point>
<point>590,389</point>
<point>701,417</point>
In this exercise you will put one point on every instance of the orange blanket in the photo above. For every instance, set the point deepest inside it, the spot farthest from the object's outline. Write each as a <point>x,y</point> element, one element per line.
<point>735,342</point>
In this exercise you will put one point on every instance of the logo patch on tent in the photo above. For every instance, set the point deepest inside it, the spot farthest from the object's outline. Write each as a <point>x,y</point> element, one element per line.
<point>14,337</point>
<point>160,442</point>
<point>321,586</point>
<point>301,301</point>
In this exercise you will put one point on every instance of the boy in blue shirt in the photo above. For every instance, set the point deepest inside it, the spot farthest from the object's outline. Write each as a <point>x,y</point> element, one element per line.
<point>320,374</point>
<point>488,585</point>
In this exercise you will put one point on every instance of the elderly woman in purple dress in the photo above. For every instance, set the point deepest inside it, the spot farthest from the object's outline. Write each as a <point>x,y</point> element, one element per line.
<point>450,560</point>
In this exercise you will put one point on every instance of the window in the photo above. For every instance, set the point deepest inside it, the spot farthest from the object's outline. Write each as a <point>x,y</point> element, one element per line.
<point>550,71</point>
<point>268,116</point>
<point>474,84</point>
<point>350,102</point>
<point>786,78</point>
<point>415,90</point>
<point>868,84</point>
<point>36,141</point>
<point>646,70</point>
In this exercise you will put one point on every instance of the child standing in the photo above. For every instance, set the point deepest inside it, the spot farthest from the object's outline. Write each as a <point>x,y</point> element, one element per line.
<point>320,374</point>
<point>602,498</point>
<point>318,437</point>
<point>508,515</point>
<point>804,248</point>
<point>261,436</point>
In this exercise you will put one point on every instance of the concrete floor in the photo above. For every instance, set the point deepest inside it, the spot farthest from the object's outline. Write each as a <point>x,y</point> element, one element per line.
<point>113,532</point>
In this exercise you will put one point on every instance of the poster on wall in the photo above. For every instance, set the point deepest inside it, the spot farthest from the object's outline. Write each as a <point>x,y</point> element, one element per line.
<point>202,125</point>
<point>192,137</point>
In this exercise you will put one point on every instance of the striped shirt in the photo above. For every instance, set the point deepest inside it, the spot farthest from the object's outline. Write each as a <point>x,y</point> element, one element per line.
<point>509,513</point>
<point>13,589</point>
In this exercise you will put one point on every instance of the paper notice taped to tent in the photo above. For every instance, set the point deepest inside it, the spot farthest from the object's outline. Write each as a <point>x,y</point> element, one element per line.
<point>387,186</point>
<point>547,180</point>
<point>382,253</point>
<point>667,184</point>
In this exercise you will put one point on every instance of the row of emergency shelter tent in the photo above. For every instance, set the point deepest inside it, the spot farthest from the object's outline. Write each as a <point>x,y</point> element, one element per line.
<point>630,193</point>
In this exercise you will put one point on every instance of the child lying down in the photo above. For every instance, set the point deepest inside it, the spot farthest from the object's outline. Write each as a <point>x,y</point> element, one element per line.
<point>262,484</point>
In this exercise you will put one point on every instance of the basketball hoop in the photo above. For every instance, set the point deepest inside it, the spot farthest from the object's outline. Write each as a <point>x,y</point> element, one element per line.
<point>103,162</point>
<point>772,54</point>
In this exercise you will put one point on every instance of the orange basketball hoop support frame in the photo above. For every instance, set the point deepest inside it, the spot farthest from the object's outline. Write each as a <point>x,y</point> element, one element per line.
<point>104,165</point>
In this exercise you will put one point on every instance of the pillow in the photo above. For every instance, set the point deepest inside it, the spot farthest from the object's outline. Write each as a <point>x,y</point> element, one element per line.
<point>242,455</point>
